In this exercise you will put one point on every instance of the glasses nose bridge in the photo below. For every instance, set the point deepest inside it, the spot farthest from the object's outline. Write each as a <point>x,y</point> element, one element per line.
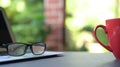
<point>28,48</point>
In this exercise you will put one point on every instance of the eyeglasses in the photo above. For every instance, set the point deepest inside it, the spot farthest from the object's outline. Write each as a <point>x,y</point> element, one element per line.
<point>18,49</point>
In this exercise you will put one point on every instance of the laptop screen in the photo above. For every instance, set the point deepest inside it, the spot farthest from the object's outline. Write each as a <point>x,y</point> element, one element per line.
<point>6,35</point>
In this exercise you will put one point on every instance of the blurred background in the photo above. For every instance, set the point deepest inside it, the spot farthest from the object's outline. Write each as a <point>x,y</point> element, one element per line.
<point>65,25</point>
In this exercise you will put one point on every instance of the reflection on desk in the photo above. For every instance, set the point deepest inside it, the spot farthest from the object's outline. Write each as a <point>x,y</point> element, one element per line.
<point>71,59</point>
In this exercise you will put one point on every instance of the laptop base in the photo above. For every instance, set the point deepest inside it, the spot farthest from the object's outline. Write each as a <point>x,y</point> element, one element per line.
<point>29,56</point>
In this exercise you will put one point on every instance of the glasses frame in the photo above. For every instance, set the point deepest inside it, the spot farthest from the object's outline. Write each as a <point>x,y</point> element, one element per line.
<point>26,47</point>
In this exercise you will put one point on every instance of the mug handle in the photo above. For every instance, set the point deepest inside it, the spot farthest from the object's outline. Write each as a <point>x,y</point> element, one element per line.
<point>102,26</point>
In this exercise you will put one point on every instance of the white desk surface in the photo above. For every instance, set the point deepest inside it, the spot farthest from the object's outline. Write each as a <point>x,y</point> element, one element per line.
<point>70,59</point>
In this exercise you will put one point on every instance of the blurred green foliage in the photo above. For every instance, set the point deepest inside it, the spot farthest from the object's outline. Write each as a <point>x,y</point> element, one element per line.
<point>82,17</point>
<point>27,24</point>
<point>102,36</point>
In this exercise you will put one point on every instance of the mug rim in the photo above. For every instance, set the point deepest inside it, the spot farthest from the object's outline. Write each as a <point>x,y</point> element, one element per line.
<point>113,20</point>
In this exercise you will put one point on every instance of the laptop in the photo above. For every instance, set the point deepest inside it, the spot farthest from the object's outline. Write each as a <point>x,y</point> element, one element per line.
<point>6,36</point>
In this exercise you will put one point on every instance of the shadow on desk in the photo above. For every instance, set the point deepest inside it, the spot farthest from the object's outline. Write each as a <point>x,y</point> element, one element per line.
<point>114,63</point>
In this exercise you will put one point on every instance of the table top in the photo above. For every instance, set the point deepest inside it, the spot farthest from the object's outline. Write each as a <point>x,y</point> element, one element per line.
<point>70,59</point>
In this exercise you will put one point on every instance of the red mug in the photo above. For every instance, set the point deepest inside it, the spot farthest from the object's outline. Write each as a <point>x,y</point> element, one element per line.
<point>112,30</point>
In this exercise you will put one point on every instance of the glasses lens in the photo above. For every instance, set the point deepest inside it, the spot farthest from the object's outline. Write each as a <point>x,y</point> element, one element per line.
<point>38,48</point>
<point>16,49</point>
